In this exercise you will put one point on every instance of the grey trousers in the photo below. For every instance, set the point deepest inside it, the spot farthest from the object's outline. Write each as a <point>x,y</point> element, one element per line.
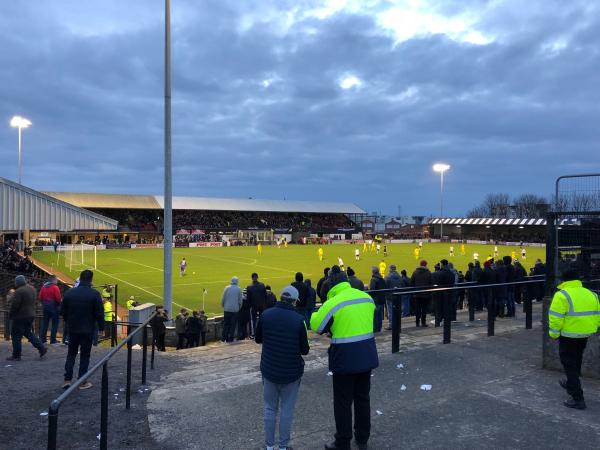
<point>274,396</point>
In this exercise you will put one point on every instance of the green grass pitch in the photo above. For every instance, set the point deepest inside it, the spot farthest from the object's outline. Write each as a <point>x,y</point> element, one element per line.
<point>139,271</point>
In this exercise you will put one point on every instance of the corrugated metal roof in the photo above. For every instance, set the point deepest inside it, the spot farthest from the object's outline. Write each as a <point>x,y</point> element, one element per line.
<point>87,200</point>
<point>26,209</point>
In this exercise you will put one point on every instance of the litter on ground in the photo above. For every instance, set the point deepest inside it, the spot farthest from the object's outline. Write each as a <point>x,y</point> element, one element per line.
<point>400,366</point>
<point>402,388</point>
<point>425,387</point>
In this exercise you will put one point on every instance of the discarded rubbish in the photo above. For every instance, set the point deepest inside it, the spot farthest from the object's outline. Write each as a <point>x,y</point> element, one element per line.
<point>402,388</point>
<point>121,389</point>
<point>136,347</point>
<point>8,365</point>
<point>330,373</point>
<point>399,366</point>
<point>98,437</point>
<point>43,413</point>
<point>379,412</point>
<point>425,387</point>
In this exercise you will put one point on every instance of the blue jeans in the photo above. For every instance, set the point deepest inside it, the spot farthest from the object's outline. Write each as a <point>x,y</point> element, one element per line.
<point>378,318</point>
<point>78,343</point>
<point>510,303</point>
<point>390,311</point>
<point>405,305</point>
<point>20,328</point>
<point>50,311</point>
<point>229,326</point>
<point>275,395</point>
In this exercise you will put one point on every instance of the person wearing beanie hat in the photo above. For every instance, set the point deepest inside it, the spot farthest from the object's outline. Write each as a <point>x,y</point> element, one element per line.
<point>348,316</point>
<point>354,281</point>
<point>282,333</point>
<point>21,315</point>
<point>392,281</point>
<point>231,301</point>
<point>377,282</point>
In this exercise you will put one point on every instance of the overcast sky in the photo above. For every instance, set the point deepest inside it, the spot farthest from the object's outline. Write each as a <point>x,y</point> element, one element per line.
<point>306,100</point>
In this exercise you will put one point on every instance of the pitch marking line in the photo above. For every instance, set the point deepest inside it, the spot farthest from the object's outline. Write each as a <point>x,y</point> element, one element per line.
<point>213,282</point>
<point>137,287</point>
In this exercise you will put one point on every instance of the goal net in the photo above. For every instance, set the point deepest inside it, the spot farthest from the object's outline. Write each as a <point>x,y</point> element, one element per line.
<point>80,256</point>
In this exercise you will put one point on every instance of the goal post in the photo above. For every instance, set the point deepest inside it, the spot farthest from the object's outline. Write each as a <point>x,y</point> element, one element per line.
<point>82,255</point>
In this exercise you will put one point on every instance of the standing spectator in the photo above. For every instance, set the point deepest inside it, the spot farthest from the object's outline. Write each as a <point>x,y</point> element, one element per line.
<point>257,299</point>
<point>302,294</point>
<point>354,281</point>
<point>231,303</point>
<point>271,299</point>
<point>573,317</point>
<point>538,288</point>
<point>501,291</point>
<point>282,333</point>
<point>244,319</point>
<point>311,301</point>
<point>520,274</point>
<point>203,326</point>
<point>488,276</point>
<point>50,297</point>
<point>510,290</point>
<point>192,330</point>
<point>348,316</point>
<point>21,314</point>
<point>443,277</point>
<point>421,278</point>
<point>159,330</point>
<point>82,310</point>
<point>107,298</point>
<point>461,292</point>
<point>180,329</point>
<point>405,298</point>
<point>377,283</point>
<point>323,286</point>
<point>477,294</point>
<point>392,281</point>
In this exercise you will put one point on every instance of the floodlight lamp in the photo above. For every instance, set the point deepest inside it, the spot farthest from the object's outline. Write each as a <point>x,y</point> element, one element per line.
<point>440,167</point>
<point>19,122</point>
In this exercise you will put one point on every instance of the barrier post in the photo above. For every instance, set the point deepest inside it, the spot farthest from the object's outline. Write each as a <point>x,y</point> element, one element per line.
<point>491,307</point>
<point>396,322</point>
<point>447,298</point>
<point>528,313</point>
<point>144,353</point>
<point>104,408</point>
<point>129,354</point>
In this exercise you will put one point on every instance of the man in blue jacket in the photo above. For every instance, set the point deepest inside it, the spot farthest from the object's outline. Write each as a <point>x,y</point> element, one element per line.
<point>82,310</point>
<point>282,332</point>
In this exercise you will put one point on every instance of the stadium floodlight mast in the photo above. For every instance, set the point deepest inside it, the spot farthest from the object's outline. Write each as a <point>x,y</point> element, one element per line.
<point>20,123</point>
<point>168,198</point>
<point>441,168</point>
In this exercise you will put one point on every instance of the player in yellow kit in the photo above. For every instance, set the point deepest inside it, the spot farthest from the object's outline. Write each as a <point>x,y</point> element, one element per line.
<point>259,248</point>
<point>417,252</point>
<point>364,247</point>
<point>320,252</point>
<point>382,268</point>
<point>462,249</point>
<point>372,245</point>
<point>285,243</point>
<point>513,255</point>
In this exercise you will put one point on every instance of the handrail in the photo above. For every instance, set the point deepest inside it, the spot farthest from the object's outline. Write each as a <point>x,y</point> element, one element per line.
<point>56,403</point>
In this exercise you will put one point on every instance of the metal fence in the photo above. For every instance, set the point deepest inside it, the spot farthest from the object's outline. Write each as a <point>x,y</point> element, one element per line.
<point>103,363</point>
<point>446,296</point>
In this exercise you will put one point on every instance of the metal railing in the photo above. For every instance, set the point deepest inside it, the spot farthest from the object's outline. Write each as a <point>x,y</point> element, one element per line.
<point>446,305</point>
<point>103,363</point>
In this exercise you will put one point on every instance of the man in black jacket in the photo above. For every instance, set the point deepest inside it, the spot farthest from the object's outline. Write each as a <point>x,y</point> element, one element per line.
<point>510,290</point>
<point>323,286</point>
<point>82,310</point>
<point>302,294</point>
<point>257,299</point>
<point>282,332</point>
<point>22,314</point>
<point>442,278</point>
<point>377,283</point>
<point>422,278</point>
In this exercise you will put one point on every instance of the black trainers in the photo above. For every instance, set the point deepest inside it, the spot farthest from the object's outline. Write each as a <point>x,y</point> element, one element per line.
<point>13,358</point>
<point>43,351</point>
<point>362,445</point>
<point>575,404</point>
<point>563,383</point>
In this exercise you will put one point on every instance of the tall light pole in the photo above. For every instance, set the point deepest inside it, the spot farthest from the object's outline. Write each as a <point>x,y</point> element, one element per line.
<point>441,168</point>
<point>20,123</point>
<point>168,197</point>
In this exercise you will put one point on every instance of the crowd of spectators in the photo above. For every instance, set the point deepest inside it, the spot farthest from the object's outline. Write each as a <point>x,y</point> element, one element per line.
<point>205,237</point>
<point>152,220</point>
<point>11,261</point>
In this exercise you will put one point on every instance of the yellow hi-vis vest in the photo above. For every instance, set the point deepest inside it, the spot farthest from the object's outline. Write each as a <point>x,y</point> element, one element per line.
<point>108,312</point>
<point>574,312</point>
<point>130,304</point>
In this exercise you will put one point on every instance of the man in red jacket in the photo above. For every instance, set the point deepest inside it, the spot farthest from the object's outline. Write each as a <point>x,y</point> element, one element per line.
<point>50,297</point>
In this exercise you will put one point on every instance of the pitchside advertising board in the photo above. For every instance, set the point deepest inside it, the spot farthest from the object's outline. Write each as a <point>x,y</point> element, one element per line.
<point>64,248</point>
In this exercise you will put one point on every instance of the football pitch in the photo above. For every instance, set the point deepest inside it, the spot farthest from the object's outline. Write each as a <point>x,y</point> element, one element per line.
<point>139,272</point>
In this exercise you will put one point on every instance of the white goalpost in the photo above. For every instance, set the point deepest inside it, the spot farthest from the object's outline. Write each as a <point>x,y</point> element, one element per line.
<point>79,255</point>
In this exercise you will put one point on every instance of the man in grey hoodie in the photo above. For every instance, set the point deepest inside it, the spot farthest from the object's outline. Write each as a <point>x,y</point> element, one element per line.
<point>231,303</point>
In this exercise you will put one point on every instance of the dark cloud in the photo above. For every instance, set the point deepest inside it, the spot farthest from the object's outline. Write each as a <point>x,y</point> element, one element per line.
<point>258,109</point>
